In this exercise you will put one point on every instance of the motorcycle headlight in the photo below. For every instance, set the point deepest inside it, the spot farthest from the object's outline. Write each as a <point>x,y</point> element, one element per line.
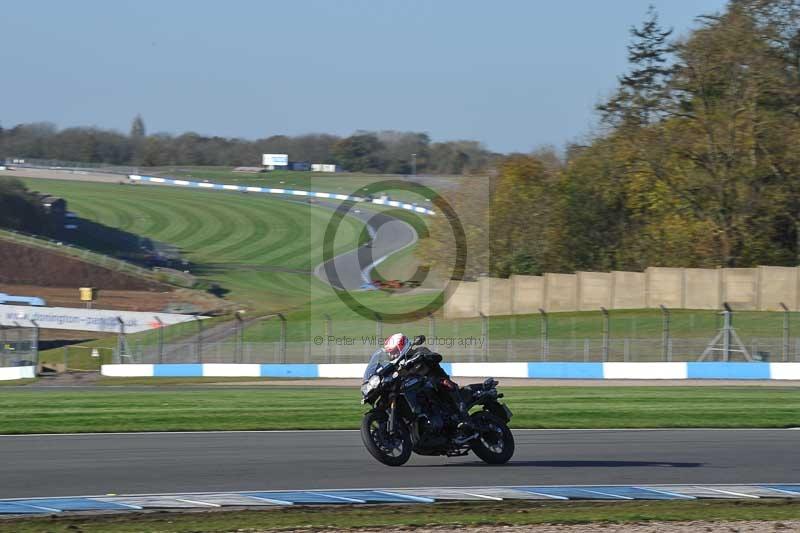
<point>372,383</point>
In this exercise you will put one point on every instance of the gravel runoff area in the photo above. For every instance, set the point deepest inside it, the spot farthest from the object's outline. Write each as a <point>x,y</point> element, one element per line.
<point>643,527</point>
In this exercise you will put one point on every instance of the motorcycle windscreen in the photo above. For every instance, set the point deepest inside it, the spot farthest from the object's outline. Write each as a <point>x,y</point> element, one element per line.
<point>378,359</point>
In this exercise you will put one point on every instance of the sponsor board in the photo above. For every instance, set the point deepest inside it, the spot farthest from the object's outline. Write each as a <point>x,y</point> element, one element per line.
<point>275,160</point>
<point>87,319</point>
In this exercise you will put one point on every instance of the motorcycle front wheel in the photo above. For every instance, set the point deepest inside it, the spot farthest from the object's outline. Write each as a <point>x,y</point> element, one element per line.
<point>391,450</point>
<point>495,444</point>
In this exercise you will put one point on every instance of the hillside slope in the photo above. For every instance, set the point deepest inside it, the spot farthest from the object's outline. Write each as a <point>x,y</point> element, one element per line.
<point>29,265</point>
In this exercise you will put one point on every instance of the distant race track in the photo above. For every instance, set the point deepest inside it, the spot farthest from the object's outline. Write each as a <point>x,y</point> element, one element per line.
<point>389,235</point>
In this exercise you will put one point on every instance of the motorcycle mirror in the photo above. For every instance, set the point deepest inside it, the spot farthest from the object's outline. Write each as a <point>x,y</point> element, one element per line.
<point>419,339</point>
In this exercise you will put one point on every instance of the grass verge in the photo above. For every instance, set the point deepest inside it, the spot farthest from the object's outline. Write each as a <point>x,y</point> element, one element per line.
<point>27,410</point>
<point>456,515</point>
<point>25,381</point>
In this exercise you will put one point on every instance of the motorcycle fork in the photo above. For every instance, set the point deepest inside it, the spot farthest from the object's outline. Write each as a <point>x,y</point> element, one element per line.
<point>392,415</point>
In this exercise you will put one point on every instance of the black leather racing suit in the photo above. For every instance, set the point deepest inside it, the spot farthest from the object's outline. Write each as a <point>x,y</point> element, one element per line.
<point>434,371</point>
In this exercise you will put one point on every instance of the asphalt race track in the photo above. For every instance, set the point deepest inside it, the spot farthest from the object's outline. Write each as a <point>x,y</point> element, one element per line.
<point>390,235</point>
<point>96,464</point>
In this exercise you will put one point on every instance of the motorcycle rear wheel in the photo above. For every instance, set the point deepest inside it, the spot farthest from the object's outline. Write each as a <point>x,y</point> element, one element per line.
<point>495,445</point>
<point>391,450</point>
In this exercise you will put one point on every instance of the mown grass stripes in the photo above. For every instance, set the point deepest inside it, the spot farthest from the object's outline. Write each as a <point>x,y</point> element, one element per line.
<point>221,233</point>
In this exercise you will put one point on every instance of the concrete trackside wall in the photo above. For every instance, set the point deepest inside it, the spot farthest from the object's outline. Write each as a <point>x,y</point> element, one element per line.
<point>763,288</point>
<point>560,292</point>
<point>701,288</point>
<point>594,290</point>
<point>17,372</point>
<point>740,287</point>
<point>462,300</point>
<point>495,295</point>
<point>628,290</point>
<point>527,294</point>
<point>664,287</point>
<point>776,285</point>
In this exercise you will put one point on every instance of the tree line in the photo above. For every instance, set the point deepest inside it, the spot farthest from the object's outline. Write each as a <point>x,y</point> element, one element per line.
<point>22,210</point>
<point>697,163</point>
<point>390,152</point>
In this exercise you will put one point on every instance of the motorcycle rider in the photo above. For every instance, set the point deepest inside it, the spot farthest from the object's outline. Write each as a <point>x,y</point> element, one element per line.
<point>398,345</point>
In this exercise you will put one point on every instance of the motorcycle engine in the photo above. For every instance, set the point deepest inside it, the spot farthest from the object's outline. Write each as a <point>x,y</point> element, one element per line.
<point>431,426</point>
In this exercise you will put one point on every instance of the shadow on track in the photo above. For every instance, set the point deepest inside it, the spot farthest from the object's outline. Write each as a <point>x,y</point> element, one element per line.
<point>573,464</point>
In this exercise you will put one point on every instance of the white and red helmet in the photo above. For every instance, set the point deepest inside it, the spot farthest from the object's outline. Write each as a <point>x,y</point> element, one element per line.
<point>397,345</point>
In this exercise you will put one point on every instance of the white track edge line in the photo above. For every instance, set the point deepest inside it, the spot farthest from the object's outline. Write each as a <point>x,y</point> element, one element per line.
<point>617,496</point>
<point>730,493</point>
<point>658,491</point>
<point>205,504</point>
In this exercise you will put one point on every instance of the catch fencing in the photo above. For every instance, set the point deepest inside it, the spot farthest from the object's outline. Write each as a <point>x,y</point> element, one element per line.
<point>501,350</point>
<point>18,346</point>
<point>615,336</point>
<point>678,336</point>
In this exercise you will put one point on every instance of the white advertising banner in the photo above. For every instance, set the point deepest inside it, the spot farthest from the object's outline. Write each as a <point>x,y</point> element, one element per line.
<point>77,319</point>
<point>275,160</point>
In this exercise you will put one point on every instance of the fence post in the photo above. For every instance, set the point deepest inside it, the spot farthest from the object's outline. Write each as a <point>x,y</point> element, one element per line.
<point>199,341</point>
<point>726,337</point>
<point>785,332</point>
<point>544,336</point>
<point>160,339</point>
<point>485,336</point>
<point>35,343</point>
<point>120,339</point>
<point>606,332</point>
<point>328,335</point>
<point>378,329</point>
<point>282,318</point>
<point>665,339</point>
<point>431,326</point>
<point>238,351</point>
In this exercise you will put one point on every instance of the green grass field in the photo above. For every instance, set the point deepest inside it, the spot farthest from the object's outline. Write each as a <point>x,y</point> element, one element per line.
<point>258,248</point>
<point>447,516</point>
<point>27,410</point>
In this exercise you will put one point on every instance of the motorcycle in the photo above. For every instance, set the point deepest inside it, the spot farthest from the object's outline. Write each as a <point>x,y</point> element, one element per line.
<point>409,414</point>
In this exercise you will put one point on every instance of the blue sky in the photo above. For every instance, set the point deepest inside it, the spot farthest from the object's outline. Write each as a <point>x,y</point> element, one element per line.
<point>512,74</point>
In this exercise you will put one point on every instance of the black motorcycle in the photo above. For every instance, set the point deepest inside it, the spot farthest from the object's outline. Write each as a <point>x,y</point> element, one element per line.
<point>410,413</point>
